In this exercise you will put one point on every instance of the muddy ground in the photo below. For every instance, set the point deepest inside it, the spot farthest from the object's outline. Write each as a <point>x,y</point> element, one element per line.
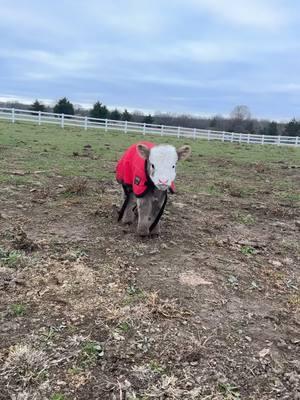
<point>209,310</point>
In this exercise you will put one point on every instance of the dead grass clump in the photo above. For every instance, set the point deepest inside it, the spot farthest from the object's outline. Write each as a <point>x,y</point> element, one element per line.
<point>21,241</point>
<point>294,301</point>
<point>170,387</point>
<point>40,393</point>
<point>230,188</point>
<point>260,167</point>
<point>166,308</point>
<point>78,186</point>
<point>24,362</point>
<point>40,195</point>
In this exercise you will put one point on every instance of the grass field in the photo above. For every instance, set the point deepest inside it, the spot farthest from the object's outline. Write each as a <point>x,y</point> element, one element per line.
<point>209,310</point>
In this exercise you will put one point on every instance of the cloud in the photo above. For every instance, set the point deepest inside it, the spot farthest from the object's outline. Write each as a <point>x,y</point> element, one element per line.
<point>45,64</point>
<point>261,14</point>
<point>184,54</point>
<point>129,17</point>
<point>279,88</point>
<point>27,19</point>
<point>22,99</point>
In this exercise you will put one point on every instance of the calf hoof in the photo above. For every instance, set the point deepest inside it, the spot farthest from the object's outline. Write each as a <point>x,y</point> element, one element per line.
<point>142,231</point>
<point>127,221</point>
<point>155,231</point>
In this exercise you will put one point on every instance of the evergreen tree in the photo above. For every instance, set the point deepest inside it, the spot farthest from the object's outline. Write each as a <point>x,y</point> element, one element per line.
<point>126,116</point>
<point>148,119</point>
<point>292,128</point>
<point>115,114</point>
<point>99,110</point>
<point>37,106</point>
<point>64,106</point>
<point>272,129</point>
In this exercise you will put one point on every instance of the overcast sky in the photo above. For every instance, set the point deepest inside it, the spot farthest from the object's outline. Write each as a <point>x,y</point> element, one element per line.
<point>184,56</point>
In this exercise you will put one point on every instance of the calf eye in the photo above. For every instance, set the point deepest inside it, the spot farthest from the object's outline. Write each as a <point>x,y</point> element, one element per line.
<point>152,165</point>
<point>173,166</point>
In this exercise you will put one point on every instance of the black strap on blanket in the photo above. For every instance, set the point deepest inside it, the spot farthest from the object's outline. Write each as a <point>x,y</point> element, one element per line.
<point>158,217</point>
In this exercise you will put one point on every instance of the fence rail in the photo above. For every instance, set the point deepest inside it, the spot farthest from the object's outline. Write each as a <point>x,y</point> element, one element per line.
<point>14,115</point>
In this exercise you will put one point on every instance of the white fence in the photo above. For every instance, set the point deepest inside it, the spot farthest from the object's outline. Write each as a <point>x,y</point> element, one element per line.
<point>13,115</point>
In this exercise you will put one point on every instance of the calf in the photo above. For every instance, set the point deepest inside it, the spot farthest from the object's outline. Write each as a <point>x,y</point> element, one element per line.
<point>147,171</point>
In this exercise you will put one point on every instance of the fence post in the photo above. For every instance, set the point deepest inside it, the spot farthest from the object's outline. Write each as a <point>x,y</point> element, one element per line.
<point>248,138</point>
<point>125,127</point>
<point>85,123</point>
<point>208,135</point>
<point>263,139</point>
<point>106,125</point>
<point>297,141</point>
<point>62,120</point>
<point>194,133</point>
<point>13,115</point>
<point>144,129</point>
<point>178,132</point>
<point>240,138</point>
<point>223,136</point>
<point>162,130</point>
<point>40,117</point>
<point>278,140</point>
<point>231,137</point>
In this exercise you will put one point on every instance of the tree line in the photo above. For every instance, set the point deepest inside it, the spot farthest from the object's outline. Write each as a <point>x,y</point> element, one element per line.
<point>240,119</point>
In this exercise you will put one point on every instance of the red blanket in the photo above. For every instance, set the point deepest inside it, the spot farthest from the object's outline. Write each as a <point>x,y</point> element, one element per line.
<point>131,170</point>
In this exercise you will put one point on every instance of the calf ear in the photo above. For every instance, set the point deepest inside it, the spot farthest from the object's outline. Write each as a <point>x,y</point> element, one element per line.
<point>184,152</point>
<point>143,151</point>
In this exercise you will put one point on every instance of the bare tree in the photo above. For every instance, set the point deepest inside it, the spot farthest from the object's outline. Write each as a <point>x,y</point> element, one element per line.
<point>241,113</point>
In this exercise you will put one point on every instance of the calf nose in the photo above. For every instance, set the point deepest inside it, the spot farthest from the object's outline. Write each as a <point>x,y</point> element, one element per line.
<point>164,182</point>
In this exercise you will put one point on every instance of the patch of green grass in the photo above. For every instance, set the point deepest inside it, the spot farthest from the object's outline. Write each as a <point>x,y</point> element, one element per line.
<point>17,310</point>
<point>248,250</point>
<point>156,367</point>
<point>16,180</point>
<point>133,290</point>
<point>245,219</point>
<point>124,327</point>
<point>134,294</point>
<point>12,259</point>
<point>55,151</point>
<point>31,147</point>
<point>213,190</point>
<point>58,396</point>
<point>290,197</point>
<point>74,370</point>
<point>91,352</point>
<point>229,391</point>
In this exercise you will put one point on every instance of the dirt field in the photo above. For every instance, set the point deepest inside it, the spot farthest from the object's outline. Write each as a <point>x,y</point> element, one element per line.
<point>209,310</point>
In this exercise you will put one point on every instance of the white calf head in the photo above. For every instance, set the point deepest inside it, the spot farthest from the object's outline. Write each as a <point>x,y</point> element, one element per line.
<point>162,161</point>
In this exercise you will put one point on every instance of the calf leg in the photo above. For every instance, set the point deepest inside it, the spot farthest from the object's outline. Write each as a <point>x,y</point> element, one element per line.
<point>129,212</point>
<point>148,209</point>
<point>157,204</point>
<point>144,215</point>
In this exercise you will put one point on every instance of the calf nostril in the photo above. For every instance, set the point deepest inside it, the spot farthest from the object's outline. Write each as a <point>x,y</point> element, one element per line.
<point>163,182</point>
